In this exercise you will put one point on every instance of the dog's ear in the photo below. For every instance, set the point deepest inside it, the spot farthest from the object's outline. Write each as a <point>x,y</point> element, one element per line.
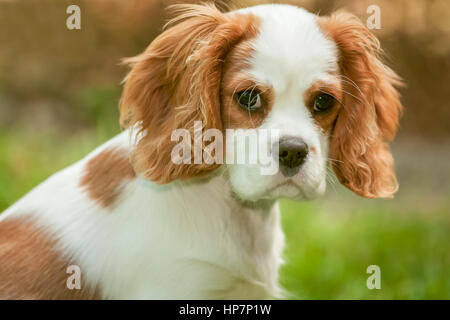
<point>175,82</point>
<point>369,118</point>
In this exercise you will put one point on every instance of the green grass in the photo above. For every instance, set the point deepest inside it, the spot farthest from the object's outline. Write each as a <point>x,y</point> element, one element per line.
<point>327,254</point>
<point>329,247</point>
<point>28,157</point>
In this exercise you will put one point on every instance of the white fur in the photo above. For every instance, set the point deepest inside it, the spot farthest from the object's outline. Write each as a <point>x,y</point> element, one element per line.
<point>290,54</point>
<point>161,241</point>
<point>196,239</point>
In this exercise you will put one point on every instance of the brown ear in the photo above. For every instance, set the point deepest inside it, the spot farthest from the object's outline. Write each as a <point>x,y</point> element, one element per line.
<point>369,118</point>
<point>175,82</point>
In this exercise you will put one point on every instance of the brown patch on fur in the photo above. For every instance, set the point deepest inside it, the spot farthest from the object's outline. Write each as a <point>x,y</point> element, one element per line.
<point>369,119</point>
<point>31,267</point>
<point>175,82</point>
<point>326,119</point>
<point>105,175</point>
<point>236,79</point>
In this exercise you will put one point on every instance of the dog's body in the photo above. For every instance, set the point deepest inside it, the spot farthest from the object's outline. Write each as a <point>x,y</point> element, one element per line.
<point>138,225</point>
<point>183,240</point>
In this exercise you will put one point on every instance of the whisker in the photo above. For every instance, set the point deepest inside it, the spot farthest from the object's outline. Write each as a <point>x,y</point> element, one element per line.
<point>335,160</point>
<point>331,178</point>
<point>344,91</point>
<point>353,83</point>
<point>249,113</point>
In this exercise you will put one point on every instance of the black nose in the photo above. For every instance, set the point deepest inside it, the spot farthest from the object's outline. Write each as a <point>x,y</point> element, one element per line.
<point>292,154</point>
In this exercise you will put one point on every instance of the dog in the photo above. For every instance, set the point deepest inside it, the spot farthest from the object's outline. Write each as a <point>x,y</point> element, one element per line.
<point>133,224</point>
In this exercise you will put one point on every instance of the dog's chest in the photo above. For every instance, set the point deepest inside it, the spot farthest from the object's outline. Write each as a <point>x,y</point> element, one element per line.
<point>191,250</point>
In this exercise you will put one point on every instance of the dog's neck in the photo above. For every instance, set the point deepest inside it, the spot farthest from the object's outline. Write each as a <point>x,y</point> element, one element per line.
<point>214,186</point>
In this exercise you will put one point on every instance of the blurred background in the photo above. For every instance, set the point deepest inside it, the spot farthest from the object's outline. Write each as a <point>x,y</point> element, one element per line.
<point>59,91</point>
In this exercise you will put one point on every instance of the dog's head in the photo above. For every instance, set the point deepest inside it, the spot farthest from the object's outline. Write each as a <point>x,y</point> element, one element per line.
<point>317,81</point>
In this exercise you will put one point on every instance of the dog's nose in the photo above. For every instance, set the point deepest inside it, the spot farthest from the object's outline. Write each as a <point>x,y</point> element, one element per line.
<point>292,154</point>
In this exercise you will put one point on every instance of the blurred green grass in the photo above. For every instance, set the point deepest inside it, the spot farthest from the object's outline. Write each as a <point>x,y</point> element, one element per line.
<point>328,247</point>
<point>327,254</point>
<point>29,155</point>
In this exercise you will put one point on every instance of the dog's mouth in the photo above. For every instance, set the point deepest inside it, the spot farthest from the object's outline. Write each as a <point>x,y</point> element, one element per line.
<point>288,183</point>
<point>285,189</point>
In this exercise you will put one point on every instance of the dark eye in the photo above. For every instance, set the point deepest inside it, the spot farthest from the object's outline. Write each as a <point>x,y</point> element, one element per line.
<point>249,100</point>
<point>323,102</point>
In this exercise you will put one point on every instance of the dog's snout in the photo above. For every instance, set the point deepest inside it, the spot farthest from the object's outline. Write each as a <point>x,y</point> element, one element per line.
<point>292,153</point>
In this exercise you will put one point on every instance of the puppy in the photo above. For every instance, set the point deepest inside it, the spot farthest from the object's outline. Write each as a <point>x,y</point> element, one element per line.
<point>129,222</point>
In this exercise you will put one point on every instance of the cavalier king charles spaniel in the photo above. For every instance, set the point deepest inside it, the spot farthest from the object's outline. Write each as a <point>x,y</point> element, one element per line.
<point>128,222</point>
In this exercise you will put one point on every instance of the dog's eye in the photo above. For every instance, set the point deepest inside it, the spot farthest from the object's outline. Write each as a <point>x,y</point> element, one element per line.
<point>323,102</point>
<point>249,100</point>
